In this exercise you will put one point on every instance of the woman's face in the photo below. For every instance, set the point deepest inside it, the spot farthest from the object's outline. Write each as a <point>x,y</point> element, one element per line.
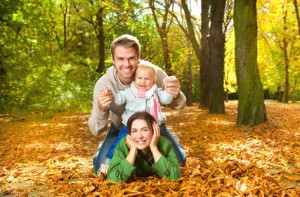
<point>141,134</point>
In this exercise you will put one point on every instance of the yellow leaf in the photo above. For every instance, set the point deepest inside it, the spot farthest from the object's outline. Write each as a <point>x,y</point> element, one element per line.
<point>292,178</point>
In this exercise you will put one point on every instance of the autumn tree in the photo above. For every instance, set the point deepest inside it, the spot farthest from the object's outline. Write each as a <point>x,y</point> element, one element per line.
<point>163,28</point>
<point>279,33</point>
<point>204,55</point>
<point>201,49</point>
<point>251,108</point>
<point>210,52</point>
<point>216,57</point>
<point>179,17</point>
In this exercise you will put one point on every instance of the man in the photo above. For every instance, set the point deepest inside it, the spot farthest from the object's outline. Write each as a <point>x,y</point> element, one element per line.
<point>125,51</point>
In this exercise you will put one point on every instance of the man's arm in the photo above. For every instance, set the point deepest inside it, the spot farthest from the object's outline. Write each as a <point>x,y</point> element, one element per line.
<point>98,119</point>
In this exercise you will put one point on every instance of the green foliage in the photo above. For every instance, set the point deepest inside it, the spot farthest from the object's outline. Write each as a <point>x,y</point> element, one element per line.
<point>271,33</point>
<point>49,50</point>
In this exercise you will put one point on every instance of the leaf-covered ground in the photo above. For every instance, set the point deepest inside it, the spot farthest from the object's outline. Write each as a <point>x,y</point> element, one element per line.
<point>54,157</point>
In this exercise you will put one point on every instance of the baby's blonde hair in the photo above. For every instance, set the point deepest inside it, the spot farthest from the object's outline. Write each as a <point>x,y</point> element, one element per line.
<point>148,66</point>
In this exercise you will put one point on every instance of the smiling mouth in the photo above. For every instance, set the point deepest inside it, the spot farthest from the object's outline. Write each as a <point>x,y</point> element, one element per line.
<point>127,70</point>
<point>140,142</point>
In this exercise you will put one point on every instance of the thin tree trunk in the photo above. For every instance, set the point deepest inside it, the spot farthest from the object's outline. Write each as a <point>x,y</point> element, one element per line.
<point>216,57</point>
<point>163,33</point>
<point>286,61</point>
<point>101,40</point>
<point>189,98</point>
<point>297,15</point>
<point>251,108</point>
<point>65,12</point>
<point>194,42</point>
<point>294,91</point>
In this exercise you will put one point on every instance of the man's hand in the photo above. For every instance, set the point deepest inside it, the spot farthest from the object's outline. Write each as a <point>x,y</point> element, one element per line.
<point>105,98</point>
<point>172,86</point>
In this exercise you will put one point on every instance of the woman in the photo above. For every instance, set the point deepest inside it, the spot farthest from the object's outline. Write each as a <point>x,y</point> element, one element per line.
<point>143,152</point>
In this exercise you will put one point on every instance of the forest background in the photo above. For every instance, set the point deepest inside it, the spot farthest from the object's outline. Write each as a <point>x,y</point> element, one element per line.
<point>52,52</point>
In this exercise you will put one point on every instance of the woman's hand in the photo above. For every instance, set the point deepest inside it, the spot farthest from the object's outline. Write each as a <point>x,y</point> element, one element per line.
<point>130,143</point>
<point>132,150</point>
<point>156,135</point>
<point>153,145</point>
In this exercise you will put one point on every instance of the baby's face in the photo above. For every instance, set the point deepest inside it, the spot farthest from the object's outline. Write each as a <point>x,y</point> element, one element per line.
<point>144,79</point>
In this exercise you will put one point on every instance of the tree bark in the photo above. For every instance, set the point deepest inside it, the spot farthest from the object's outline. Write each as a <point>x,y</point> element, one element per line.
<point>189,97</point>
<point>251,108</point>
<point>204,56</point>
<point>195,45</point>
<point>65,10</point>
<point>297,15</point>
<point>101,41</point>
<point>286,61</point>
<point>216,57</point>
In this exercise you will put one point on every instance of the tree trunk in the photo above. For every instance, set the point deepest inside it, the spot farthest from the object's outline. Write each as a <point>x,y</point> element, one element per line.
<point>294,91</point>
<point>2,70</point>
<point>204,56</point>
<point>193,40</point>
<point>286,72</point>
<point>216,57</point>
<point>163,33</point>
<point>65,10</point>
<point>189,97</point>
<point>101,40</point>
<point>297,15</point>
<point>279,93</point>
<point>251,108</point>
<point>286,61</point>
<point>166,53</point>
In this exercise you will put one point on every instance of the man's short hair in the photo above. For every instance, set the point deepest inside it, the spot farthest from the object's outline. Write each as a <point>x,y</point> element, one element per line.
<point>126,41</point>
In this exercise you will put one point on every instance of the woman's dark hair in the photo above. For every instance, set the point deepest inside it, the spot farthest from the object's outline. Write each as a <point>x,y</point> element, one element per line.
<point>141,115</point>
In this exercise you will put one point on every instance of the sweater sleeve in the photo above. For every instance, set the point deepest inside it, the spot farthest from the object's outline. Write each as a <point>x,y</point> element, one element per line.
<point>120,170</point>
<point>120,97</point>
<point>165,98</point>
<point>167,165</point>
<point>98,120</point>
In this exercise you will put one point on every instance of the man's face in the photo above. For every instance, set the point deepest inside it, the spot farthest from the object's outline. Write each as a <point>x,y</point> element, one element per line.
<point>126,62</point>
